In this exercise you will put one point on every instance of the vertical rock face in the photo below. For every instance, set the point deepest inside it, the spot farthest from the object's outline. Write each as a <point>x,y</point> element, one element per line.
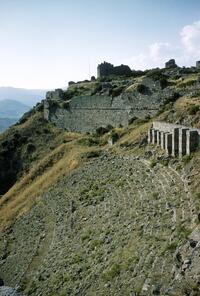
<point>175,139</point>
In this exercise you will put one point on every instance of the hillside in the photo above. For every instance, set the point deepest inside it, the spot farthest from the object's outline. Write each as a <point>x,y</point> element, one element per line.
<point>82,217</point>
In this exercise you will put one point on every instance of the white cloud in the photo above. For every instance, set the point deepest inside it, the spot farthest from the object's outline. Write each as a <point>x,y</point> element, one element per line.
<point>185,52</point>
<point>159,49</point>
<point>190,37</point>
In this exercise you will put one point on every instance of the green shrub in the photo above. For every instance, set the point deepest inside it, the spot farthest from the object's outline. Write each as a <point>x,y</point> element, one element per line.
<point>100,131</point>
<point>173,98</point>
<point>90,141</point>
<point>193,109</point>
<point>171,246</point>
<point>153,163</point>
<point>54,104</point>
<point>187,83</point>
<point>112,272</point>
<point>186,159</point>
<point>114,136</point>
<point>65,105</point>
<point>143,89</point>
<point>131,120</point>
<point>30,148</point>
<point>155,195</point>
<point>91,154</point>
<point>115,92</point>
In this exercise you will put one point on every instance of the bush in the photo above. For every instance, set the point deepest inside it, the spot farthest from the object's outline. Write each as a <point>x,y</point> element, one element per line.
<point>193,109</point>
<point>114,136</point>
<point>173,98</point>
<point>187,83</point>
<point>186,159</point>
<point>131,120</point>
<point>143,89</point>
<point>30,148</point>
<point>100,131</point>
<point>91,154</point>
<point>54,104</point>
<point>115,92</point>
<point>155,74</point>
<point>112,272</point>
<point>153,163</point>
<point>65,105</point>
<point>90,141</point>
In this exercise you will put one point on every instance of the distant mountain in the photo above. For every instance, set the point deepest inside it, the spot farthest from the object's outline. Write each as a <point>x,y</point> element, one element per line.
<point>28,97</point>
<point>6,122</point>
<point>10,112</point>
<point>12,109</point>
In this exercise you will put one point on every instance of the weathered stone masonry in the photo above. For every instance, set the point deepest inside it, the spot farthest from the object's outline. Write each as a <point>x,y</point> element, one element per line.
<point>86,113</point>
<point>176,140</point>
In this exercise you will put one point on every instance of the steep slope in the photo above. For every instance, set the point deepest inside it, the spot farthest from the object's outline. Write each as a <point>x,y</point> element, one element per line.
<point>86,218</point>
<point>102,230</point>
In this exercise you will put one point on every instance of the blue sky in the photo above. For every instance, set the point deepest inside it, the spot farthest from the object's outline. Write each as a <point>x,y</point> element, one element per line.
<point>46,43</point>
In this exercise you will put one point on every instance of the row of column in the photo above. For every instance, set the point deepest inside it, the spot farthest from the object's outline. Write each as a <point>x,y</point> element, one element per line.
<point>180,142</point>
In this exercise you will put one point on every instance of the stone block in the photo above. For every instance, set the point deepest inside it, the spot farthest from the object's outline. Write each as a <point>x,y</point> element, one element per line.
<point>150,136</point>
<point>182,141</point>
<point>154,136</point>
<point>158,138</point>
<point>175,142</point>
<point>192,141</point>
<point>57,94</point>
<point>162,140</point>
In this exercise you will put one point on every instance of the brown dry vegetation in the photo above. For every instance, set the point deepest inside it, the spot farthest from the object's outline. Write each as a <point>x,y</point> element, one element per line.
<point>22,196</point>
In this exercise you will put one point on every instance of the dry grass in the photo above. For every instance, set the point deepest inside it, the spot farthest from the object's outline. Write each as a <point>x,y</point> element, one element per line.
<point>135,84</point>
<point>23,195</point>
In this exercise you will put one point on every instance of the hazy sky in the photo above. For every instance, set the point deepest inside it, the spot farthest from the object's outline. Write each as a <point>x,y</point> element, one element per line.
<point>46,43</point>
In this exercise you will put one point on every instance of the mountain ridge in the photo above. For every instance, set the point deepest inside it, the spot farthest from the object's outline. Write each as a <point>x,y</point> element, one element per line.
<point>28,97</point>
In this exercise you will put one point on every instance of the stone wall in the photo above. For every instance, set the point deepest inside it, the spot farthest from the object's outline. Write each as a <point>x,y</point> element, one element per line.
<point>106,69</point>
<point>86,113</point>
<point>177,140</point>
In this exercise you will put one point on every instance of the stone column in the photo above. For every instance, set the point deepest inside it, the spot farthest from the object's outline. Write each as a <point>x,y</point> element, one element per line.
<point>175,141</point>
<point>182,141</point>
<point>158,138</point>
<point>192,141</point>
<point>154,136</point>
<point>162,140</point>
<point>168,143</point>
<point>150,136</point>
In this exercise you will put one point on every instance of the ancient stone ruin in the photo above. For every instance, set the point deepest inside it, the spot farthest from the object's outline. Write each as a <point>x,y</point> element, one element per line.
<point>170,64</point>
<point>176,140</point>
<point>198,64</point>
<point>106,69</point>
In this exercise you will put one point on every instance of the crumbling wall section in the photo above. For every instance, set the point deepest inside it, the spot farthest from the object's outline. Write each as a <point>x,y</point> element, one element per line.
<point>87,113</point>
